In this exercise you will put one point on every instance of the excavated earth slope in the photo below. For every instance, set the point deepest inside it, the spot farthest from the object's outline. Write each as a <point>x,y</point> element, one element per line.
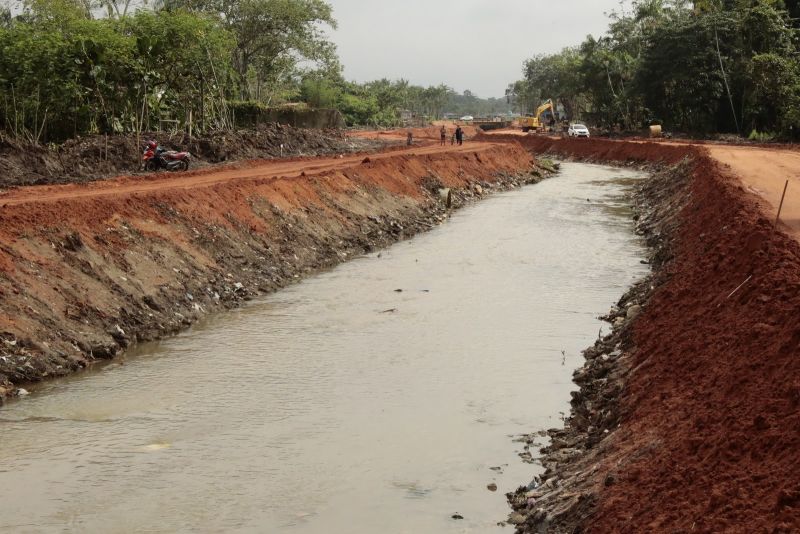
<point>87,270</point>
<point>688,415</point>
<point>687,418</point>
<point>97,157</point>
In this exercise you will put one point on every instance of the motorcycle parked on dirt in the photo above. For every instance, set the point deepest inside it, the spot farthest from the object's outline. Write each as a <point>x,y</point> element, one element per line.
<point>156,158</point>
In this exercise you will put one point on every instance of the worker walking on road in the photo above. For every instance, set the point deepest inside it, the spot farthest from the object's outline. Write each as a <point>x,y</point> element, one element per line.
<point>459,136</point>
<point>443,134</point>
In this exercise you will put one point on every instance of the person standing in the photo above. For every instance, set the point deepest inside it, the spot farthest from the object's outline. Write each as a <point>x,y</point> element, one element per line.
<point>459,136</point>
<point>409,138</point>
<point>443,135</point>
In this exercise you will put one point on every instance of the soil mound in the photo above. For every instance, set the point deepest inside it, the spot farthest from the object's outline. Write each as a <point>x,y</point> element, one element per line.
<point>428,132</point>
<point>688,417</point>
<point>600,150</point>
<point>98,157</point>
<point>82,277</point>
<point>712,409</point>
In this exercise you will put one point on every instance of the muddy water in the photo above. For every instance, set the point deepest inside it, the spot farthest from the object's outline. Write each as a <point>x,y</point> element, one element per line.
<point>340,405</point>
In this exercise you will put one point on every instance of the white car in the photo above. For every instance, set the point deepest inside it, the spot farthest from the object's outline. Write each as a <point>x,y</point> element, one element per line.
<point>467,118</point>
<point>578,130</point>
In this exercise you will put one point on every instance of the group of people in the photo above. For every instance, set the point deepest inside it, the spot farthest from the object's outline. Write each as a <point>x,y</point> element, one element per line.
<point>458,136</point>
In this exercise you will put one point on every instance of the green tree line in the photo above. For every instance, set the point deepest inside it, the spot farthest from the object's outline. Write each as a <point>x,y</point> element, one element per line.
<point>695,66</point>
<point>385,102</point>
<point>70,67</point>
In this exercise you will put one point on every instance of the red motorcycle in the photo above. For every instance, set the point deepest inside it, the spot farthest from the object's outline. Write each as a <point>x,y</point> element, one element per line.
<point>156,158</point>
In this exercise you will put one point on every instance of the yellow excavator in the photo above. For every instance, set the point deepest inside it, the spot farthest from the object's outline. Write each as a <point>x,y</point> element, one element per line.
<point>533,122</point>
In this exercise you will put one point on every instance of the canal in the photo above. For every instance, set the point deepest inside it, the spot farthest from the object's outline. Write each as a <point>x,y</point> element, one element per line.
<point>381,396</point>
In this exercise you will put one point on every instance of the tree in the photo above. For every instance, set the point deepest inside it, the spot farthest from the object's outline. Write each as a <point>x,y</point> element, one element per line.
<point>320,92</point>
<point>185,62</point>
<point>766,40</point>
<point>5,17</point>
<point>522,97</point>
<point>700,66</point>
<point>272,36</point>
<point>557,77</point>
<point>775,93</point>
<point>63,73</point>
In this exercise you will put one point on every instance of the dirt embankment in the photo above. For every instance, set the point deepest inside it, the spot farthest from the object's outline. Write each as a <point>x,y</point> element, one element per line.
<point>428,133</point>
<point>765,171</point>
<point>83,275</point>
<point>97,157</point>
<point>599,150</point>
<point>688,414</point>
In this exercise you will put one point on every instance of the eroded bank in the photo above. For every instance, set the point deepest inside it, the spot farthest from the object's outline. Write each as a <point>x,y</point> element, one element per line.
<point>687,417</point>
<point>86,271</point>
<point>375,396</point>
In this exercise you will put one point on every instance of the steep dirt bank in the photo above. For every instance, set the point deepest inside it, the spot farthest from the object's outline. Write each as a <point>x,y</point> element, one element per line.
<point>599,150</point>
<point>688,414</point>
<point>97,157</point>
<point>85,274</point>
<point>764,169</point>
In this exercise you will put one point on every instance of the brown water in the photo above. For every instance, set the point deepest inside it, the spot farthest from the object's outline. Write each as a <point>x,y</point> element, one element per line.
<point>315,410</point>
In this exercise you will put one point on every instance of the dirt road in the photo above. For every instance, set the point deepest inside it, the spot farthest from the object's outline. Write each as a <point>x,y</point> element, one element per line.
<point>431,132</point>
<point>764,171</point>
<point>266,169</point>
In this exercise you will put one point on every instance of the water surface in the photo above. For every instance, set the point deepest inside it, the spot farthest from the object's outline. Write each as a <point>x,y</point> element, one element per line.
<point>340,405</point>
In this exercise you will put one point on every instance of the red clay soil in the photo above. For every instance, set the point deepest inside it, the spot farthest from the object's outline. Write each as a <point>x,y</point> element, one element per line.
<point>709,439</point>
<point>599,150</point>
<point>96,157</point>
<point>428,133</point>
<point>764,171</point>
<point>265,169</point>
<point>712,410</point>
<point>88,269</point>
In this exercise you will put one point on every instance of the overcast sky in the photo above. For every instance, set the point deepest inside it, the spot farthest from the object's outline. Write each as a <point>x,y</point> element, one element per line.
<point>478,45</point>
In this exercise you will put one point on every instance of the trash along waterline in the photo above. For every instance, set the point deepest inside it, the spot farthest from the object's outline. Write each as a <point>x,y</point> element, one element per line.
<point>380,396</point>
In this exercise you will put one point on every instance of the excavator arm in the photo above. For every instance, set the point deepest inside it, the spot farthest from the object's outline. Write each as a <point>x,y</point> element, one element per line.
<point>534,122</point>
<point>544,107</point>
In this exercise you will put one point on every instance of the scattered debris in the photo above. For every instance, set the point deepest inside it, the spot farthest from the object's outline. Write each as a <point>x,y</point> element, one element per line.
<point>97,157</point>
<point>88,287</point>
<point>564,495</point>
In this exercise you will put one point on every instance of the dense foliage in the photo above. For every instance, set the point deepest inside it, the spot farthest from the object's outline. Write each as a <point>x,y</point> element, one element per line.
<point>703,66</point>
<point>75,66</point>
<point>390,103</point>
<point>69,67</point>
<point>272,38</point>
